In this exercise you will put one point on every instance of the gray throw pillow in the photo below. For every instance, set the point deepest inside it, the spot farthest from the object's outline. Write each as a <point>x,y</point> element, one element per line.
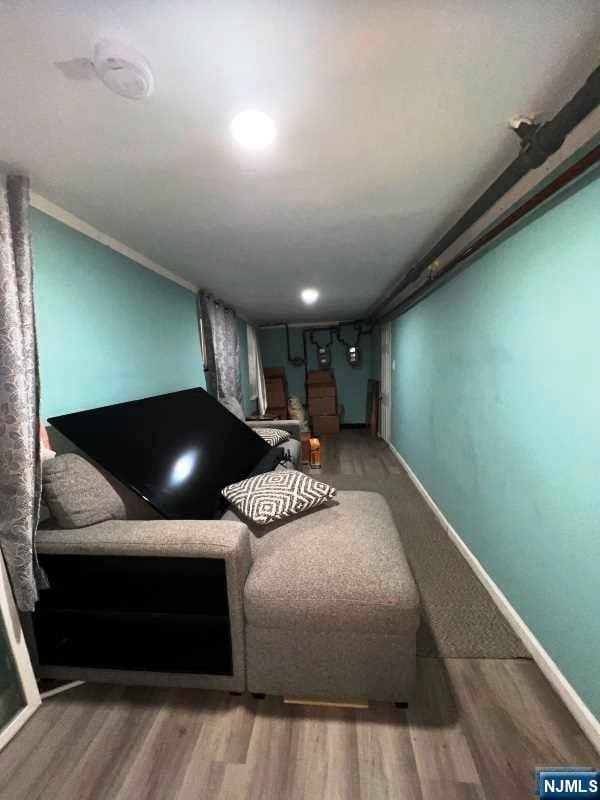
<point>233,405</point>
<point>77,493</point>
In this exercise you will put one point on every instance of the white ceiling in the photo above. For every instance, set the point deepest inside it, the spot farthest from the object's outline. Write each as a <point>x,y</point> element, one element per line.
<point>392,117</point>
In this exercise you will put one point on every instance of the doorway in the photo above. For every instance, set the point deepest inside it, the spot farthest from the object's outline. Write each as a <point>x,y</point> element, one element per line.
<point>385,414</point>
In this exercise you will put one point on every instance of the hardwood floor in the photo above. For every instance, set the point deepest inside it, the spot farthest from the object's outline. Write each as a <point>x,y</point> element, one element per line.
<point>475,731</point>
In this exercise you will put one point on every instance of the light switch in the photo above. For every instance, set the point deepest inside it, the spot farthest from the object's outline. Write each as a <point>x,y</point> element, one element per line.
<point>393,365</point>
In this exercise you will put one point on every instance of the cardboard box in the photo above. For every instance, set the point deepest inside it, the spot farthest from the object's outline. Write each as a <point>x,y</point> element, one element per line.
<point>319,406</point>
<point>276,395</point>
<point>274,372</point>
<point>279,412</point>
<point>328,423</point>
<point>318,390</point>
<point>320,376</point>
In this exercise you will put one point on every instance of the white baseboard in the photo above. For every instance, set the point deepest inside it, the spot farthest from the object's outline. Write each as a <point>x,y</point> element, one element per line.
<point>64,687</point>
<point>582,714</point>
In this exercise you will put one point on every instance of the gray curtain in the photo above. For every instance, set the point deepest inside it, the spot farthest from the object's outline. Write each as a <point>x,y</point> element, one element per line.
<point>20,470</point>
<point>256,372</point>
<point>221,347</point>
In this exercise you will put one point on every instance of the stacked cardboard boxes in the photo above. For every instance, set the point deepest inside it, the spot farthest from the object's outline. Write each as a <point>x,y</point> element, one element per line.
<point>322,402</point>
<point>277,396</point>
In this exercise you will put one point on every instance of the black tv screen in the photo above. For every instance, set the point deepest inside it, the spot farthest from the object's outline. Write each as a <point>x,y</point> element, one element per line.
<point>176,450</point>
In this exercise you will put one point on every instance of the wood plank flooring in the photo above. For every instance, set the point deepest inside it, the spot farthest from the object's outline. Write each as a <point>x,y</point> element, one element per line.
<point>475,731</point>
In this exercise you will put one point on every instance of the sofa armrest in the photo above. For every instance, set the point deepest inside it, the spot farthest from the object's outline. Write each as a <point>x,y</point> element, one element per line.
<point>199,539</point>
<point>178,538</point>
<point>292,426</point>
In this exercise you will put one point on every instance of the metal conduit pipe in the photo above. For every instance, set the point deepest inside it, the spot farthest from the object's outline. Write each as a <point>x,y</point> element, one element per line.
<point>537,145</point>
<point>584,165</point>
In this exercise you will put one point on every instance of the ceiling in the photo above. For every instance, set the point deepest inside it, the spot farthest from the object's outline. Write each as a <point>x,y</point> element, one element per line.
<point>392,117</point>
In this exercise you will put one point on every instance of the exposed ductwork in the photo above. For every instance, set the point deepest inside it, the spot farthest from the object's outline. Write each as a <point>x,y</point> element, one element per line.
<point>538,142</point>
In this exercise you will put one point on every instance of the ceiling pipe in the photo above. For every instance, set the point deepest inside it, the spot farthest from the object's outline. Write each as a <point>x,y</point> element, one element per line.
<point>453,267</point>
<point>538,142</point>
<point>361,325</point>
<point>296,361</point>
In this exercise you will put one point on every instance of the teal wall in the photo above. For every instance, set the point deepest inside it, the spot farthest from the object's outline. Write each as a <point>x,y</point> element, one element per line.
<point>496,407</point>
<point>274,354</point>
<point>108,329</point>
<point>351,381</point>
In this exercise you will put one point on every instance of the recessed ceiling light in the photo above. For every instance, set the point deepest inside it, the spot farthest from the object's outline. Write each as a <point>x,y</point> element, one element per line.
<point>253,130</point>
<point>309,296</point>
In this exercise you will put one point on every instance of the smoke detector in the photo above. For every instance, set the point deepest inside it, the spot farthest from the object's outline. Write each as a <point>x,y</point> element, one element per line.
<point>123,70</point>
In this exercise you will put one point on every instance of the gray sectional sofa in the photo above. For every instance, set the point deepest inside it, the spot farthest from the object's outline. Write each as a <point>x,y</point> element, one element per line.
<point>321,605</point>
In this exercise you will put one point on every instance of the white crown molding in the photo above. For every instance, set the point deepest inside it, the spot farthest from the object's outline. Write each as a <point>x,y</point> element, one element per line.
<point>589,724</point>
<point>52,210</point>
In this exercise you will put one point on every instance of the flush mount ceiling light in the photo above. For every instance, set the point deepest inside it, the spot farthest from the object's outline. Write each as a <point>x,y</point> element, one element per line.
<point>254,130</point>
<point>309,296</point>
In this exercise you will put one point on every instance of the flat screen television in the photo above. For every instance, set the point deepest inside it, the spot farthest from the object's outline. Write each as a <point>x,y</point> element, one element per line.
<point>177,451</point>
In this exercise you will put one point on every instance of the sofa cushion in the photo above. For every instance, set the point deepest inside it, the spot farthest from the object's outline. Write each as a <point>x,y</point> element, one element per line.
<point>337,568</point>
<point>77,493</point>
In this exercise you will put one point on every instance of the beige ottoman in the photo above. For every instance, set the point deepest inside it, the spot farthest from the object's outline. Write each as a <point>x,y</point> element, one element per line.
<point>331,606</point>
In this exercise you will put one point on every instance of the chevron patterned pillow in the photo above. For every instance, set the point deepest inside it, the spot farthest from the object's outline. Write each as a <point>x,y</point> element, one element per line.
<point>277,495</point>
<point>273,436</point>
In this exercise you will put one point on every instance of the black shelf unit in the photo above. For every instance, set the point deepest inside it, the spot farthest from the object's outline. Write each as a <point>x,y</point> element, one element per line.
<point>157,614</point>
